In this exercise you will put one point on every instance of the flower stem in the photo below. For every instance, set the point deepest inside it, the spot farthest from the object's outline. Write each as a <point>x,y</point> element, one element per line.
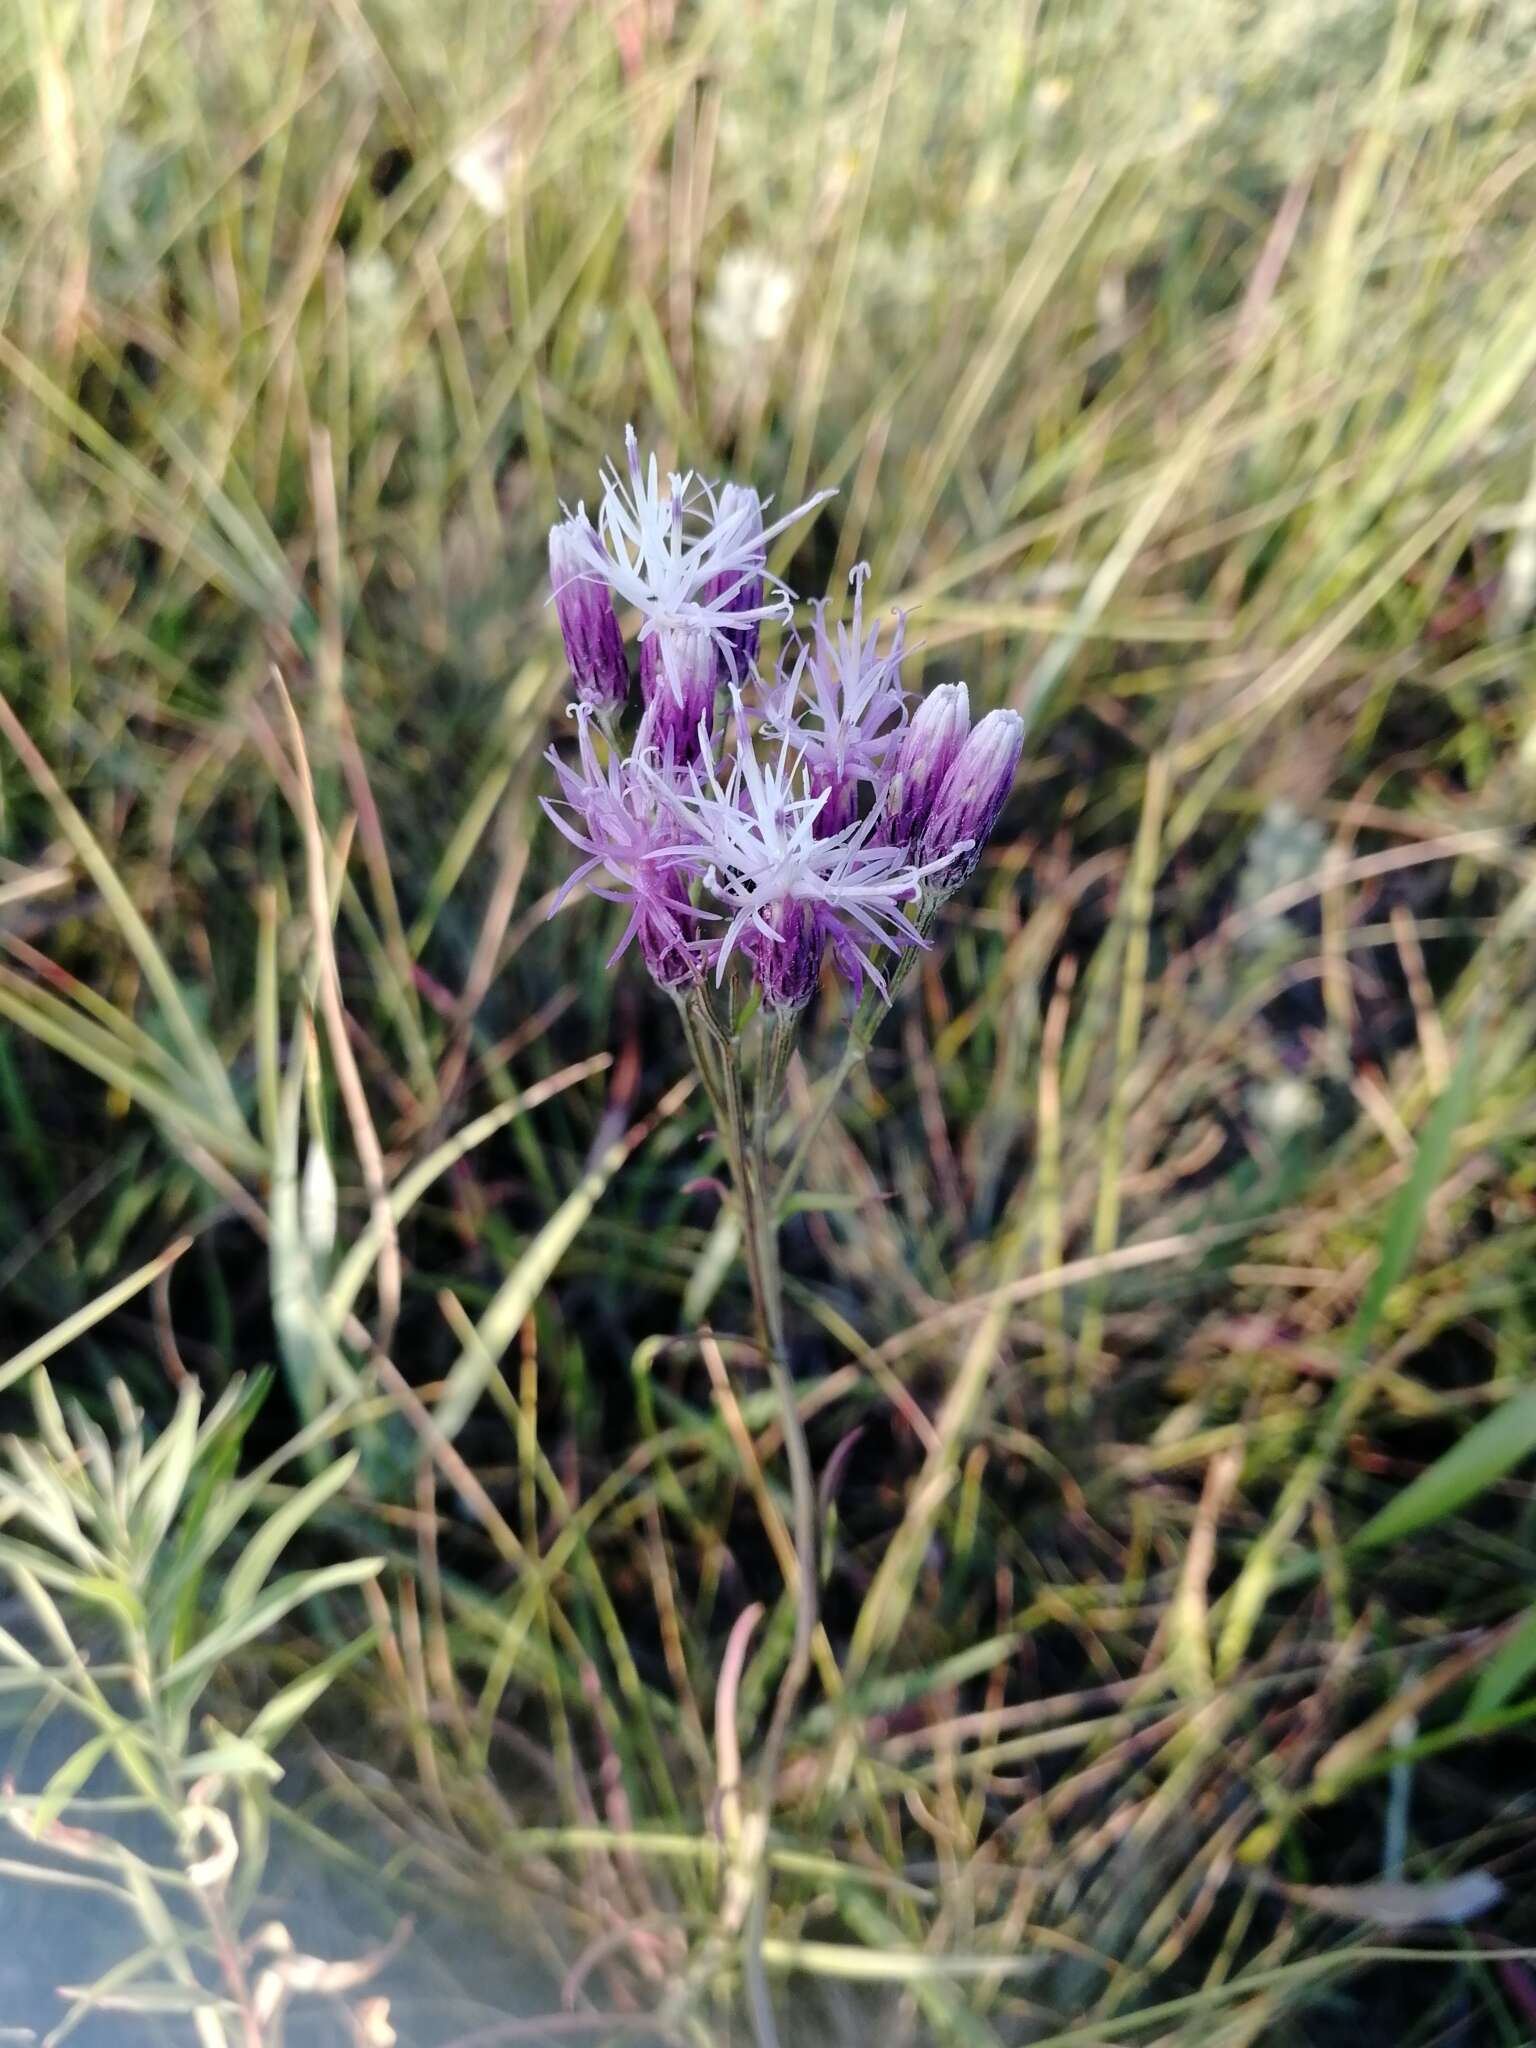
<point>760,1235</point>
<point>747,1140</point>
<point>704,1050</point>
<point>780,1030</point>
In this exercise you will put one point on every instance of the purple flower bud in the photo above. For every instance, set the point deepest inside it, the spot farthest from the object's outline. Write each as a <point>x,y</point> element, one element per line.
<point>924,755</point>
<point>971,796</point>
<point>594,646</point>
<point>678,673</point>
<point>739,512</point>
<point>786,956</point>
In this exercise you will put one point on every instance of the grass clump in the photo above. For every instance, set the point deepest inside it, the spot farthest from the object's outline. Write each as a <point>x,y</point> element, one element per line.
<point>1158,1302</point>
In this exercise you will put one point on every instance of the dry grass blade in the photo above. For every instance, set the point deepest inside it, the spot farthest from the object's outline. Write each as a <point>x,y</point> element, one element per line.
<point>34,1354</point>
<point>350,1082</point>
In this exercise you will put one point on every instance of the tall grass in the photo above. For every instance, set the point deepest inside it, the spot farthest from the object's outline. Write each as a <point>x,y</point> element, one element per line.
<point>1160,1293</point>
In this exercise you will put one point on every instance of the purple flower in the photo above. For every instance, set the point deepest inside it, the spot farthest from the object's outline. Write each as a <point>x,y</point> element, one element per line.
<point>971,796</point>
<point>785,949</point>
<point>594,647</point>
<point>841,703</point>
<point>678,671</point>
<point>923,756</point>
<point>758,836</point>
<point>609,813</point>
<point>686,558</point>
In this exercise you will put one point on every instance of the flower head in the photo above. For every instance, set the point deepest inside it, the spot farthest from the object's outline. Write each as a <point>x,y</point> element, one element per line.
<point>684,557</point>
<point>841,702</point>
<point>594,646</point>
<point>971,796</point>
<point>757,829</point>
<point>609,812</point>
<point>819,817</point>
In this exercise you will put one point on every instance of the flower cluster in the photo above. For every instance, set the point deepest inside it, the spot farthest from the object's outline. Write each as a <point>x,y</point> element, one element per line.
<point>772,820</point>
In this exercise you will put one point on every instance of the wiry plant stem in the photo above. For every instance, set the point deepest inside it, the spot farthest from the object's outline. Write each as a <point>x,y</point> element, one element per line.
<point>747,1142</point>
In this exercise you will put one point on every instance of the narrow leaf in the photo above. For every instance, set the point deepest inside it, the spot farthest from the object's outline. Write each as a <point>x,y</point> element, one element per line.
<point>1506,1671</point>
<point>277,1601</point>
<point>1478,1460</point>
<point>250,1571</point>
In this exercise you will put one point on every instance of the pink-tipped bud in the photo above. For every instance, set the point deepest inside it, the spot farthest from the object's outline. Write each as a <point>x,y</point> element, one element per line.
<point>971,796</point>
<point>739,511</point>
<point>594,646</point>
<point>924,755</point>
<point>787,965</point>
<point>678,673</point>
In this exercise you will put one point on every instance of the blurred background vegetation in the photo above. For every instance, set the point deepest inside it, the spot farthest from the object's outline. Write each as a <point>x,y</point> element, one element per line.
<point>1162,1313</point>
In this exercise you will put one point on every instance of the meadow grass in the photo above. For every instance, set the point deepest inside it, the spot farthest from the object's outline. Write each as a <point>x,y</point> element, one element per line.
<point>1160,1291</point>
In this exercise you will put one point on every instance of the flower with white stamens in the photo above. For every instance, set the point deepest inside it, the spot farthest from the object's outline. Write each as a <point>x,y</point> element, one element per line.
<point>643,853</point>
<point>757,829</point>
<point>685,557</point>
<point>841,702</point>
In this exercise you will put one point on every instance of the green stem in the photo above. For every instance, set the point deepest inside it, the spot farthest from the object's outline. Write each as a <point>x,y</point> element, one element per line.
<point>702,1050</point>
<point>747,1141</point>
<point>781,1029</point>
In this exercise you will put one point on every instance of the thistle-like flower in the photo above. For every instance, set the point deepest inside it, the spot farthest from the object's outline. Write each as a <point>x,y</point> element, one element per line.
<point>686,558</point>
<point>971,796</point>
<point>594,646</point>
<point>758,830</point>
<point>609,812</point>
<point>923,757</point>
<point>820,818</point>
<point>841,702</point>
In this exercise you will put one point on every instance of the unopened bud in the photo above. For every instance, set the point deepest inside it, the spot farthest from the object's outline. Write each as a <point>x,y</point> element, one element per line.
<point>971,796</point>
<point>594,646</point>
<point>924,755</point>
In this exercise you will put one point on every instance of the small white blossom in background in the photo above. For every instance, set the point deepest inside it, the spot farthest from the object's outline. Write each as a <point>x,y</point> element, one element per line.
<point>746,315</point>
<point>482,166</point>
<point>1284,1108</point>
<point>1286,850</point>
<point>375,311</point>
<point>372,283</point>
